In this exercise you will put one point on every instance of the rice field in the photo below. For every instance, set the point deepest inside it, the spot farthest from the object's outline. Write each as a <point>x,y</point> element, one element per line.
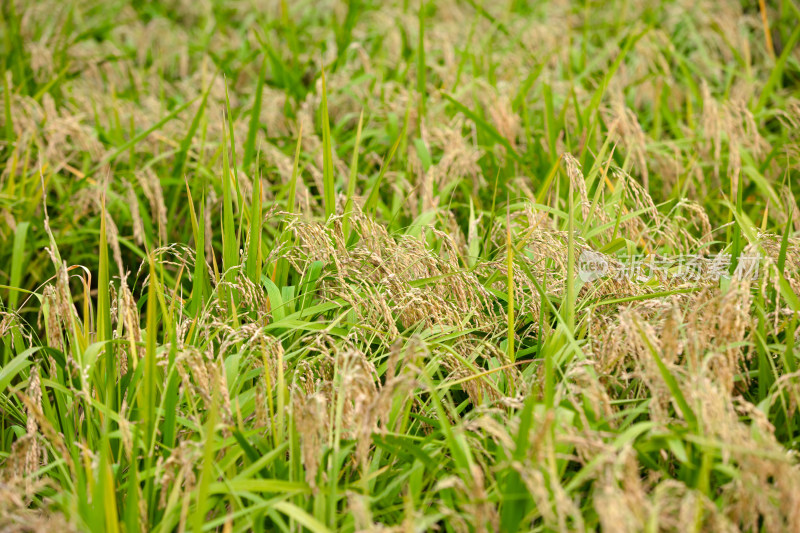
<point>453,266</point>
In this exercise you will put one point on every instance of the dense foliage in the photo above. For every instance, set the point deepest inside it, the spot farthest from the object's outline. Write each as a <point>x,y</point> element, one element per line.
<point>399,265</point>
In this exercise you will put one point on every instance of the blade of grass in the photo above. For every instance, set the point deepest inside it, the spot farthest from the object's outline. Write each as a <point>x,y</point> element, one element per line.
<point>17,261</point>
<point>255,118</point>
<point>569,313</point>
<point>180,157</point>
<point>484,126</point>
<point>670,382</point>
<point>230,244</point>
<point>777,71</point>
<point>200,287</point>
<point>372,200</point>
<point>281,272</point>
<point>253,266</point>
<point>208,465</point>
<point>328,176</point>
<point>135,140</point>
<point>510,281</point>
<point>421,65</point>
<point>351,182</point>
